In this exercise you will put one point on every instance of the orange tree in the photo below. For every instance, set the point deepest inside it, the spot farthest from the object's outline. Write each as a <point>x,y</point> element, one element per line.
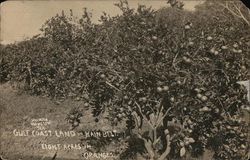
<point>170,74</point>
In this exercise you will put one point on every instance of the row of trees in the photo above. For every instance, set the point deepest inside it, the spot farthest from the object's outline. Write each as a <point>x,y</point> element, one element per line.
<point>170,74</point>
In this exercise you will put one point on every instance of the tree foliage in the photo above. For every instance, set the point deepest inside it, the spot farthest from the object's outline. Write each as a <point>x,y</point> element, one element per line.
<point>170,74</point>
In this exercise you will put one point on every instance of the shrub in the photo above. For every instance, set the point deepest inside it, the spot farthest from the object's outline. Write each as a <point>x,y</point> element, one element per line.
<point>170,74</point>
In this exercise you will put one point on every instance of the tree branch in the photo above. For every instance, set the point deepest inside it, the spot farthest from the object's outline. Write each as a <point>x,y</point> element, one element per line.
<point>144,117</point>
<point>237,14</point>
<point>168,148</point>
<point>227,7</point>
<point>241,15</point>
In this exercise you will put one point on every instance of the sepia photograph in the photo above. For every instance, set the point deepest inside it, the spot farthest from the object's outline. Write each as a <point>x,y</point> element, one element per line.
<point>124,80</point>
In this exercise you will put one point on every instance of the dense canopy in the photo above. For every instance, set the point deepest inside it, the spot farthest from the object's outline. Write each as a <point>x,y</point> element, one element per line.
<point>144,63</point>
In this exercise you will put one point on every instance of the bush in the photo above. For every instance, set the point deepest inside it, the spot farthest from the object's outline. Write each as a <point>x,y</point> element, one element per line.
<point>170,74</point>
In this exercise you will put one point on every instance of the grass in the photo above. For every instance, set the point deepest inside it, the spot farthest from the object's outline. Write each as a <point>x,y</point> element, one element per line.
<point>17,110</point>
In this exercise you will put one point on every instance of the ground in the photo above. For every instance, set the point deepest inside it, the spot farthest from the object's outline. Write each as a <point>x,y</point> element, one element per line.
<point>17,109</point>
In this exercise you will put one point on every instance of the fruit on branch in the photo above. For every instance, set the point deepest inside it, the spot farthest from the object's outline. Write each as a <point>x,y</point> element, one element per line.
<point>205,109</point>
<point>182,144</point>
<point>86,104</point>
<point>76,124</point>
<point>165,88</point>
<point>224,47</point>
<point>243,68</point>
<point>197,90</point>
<point>199,95</point>
<point>235,45</point>
<point>209,38</point>
<point>179,82</point>
<point>166,131</point>
<point>239,51</point>
<point>154,37</point>
<point>187,27</point>
<point>159,89</point>
<point>172,99</point>
<point>186,60</point>
<point>190,43</point>
<point>102,76</point>
<point>112,65</point>
<point>216,53</point>
<point>125,97</point>
<point>204,98</point>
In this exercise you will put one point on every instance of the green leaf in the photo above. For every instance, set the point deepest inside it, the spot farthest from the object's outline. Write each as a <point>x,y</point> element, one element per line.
<point>191,140</point>
<point>182,151</point>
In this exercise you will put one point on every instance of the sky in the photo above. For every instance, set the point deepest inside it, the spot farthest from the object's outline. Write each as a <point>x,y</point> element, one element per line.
<point>23,19</point>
